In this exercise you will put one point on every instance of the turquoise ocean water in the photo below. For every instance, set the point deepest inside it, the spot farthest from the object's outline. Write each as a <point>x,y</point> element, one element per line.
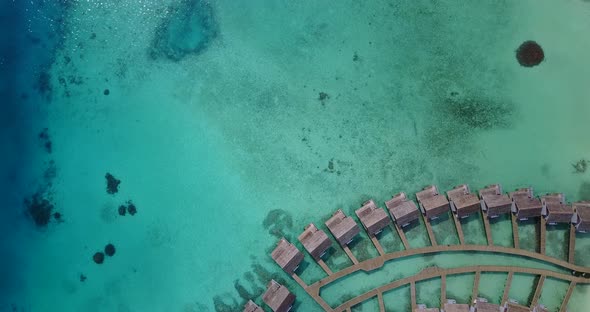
<point>231,123</point>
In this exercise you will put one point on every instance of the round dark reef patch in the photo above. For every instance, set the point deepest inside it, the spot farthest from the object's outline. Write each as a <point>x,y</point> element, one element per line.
<point>109,250</point>
<point>98,257</point>
<point>530,54</point>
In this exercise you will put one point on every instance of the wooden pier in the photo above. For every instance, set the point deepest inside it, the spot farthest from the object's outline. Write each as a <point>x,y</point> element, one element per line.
<point>381,302</point>
<point>429,230</point>
<point>488,229</point>
<point>568,294</point>
<point>325,267</point>
<point>475,290</point>
<point>507,287</point>
<point>401,234</point>
<point>572,244</point>
<point>538,290</point>
<point>515,231</point>
<point>543,234</point>
<point>377,245</point>
<point>459,228</point>
<point>443,289</point>
<point>350,255</point>
<point>413,294</point>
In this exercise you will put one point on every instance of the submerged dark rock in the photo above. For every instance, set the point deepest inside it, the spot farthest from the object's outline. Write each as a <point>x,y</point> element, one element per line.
<point>112,183</point>
<point>188,29</point>
<point>98,257</point>
<point>109,250</point>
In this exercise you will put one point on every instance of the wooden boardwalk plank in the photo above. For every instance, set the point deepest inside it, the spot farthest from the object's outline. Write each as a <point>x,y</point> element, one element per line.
<point>515,231</point>
<point>566,299</point>
<point>443,289</point>
<point>381,303</point>
<point>377,262</point>
<point>434,272</point>
<point>475,290</point>
<point>325,267</point>
<point>413,295</point>
<point>543,235</point>
<point>507,287</point>
<point>459,229</point>
<point>572,244</point>
<point>377,245</point>
<point>429,230</point>
<point>350,255</point>
<point>488,229</point>
<point>538,290</point>
<point>402,235</point>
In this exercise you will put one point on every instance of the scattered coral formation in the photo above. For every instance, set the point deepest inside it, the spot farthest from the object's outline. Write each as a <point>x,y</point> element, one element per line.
<point>278,222</point>
<point>580,166</point>
<point>530,54</point>
<point>112,183</point>
<point>122,210</point>
<point>45,140</point>
<point>131,209</point>
<point>189,28</point>
<point>39,208</point>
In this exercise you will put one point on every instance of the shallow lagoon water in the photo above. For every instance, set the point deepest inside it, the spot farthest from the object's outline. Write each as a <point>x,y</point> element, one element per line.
<point>226,142</point>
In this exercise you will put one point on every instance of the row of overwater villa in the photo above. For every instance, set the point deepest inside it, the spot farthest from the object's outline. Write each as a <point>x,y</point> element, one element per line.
<point>492,202</point>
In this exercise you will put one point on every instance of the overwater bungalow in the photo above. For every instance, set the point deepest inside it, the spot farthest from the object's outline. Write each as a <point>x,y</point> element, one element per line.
<point>463,202</point>
<point>403,210</point>
<point>342,227</point>
<point>526,205</point>
<point>287,256</point>
<point>515,307</point>
<point>432,203</point>
<point>315,241</point>
<point>456,307</point>
<point>278,297</point>
<point>495,202</point>
<point>373,219</point>
<point>252,307</point>
<point>582,210</point>
<point>556,210</point>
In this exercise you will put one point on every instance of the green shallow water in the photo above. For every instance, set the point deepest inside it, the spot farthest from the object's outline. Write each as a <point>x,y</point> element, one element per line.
<point>279,114</point>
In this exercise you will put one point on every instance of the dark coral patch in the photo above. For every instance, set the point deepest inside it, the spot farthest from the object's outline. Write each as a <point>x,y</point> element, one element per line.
<point>109,250</point>
<point>188,29</point>
<point>39,209</point>
<point>122,210</point>
<point>131,208</point>
<point>112,183</point>
<point>98,257</point>
<point>530,54</point>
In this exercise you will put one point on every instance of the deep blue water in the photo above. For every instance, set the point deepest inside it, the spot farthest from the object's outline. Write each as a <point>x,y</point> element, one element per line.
<point>30,33</point>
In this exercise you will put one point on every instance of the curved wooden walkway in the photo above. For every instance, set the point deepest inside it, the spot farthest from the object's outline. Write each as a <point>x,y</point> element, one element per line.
<point>378,262</point>
<point>434,272</point>
<point>375,263</point>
